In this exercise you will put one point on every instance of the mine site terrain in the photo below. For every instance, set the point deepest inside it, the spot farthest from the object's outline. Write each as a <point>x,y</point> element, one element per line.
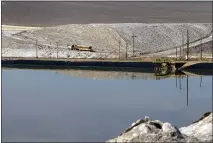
<point>112,63</point>
<point>45,30</point>
<point>107,40</point>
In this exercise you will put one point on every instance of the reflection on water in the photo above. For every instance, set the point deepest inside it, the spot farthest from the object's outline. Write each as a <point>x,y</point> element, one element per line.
<point>113,75</point>
<point>187,85</point>
<point>69,105</point>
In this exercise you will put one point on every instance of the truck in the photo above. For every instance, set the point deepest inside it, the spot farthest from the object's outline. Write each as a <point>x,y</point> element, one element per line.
<point>81,48</point>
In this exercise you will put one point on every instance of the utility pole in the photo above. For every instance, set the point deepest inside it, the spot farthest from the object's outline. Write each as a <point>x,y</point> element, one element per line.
<point>57,50</point>
<point>212,46</point>
<point>36,48</point>
<point>201,50</point>
<point>187,45</point>
<point>212,54</point>
<point>133,43</point>
<point>119,48</point>
<point>176,53</point>
<point>126,51</point>
<point>182,45</point>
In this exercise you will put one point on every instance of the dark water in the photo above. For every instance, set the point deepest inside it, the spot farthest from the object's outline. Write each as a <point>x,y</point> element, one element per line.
<point>39,105</point>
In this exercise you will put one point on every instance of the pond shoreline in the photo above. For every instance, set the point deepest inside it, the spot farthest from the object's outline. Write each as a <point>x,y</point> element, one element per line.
<point>114,64</point>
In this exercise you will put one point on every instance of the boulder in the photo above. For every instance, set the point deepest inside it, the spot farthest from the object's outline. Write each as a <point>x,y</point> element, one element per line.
<point>201,129</point>
<point>148,130</point>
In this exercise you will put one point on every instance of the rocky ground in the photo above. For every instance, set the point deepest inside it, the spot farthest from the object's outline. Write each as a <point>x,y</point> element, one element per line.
<point>195,50</point>
<point>148,130</point>
<point>17,47</point>
<point>206,47</point>
<point>104,38</point>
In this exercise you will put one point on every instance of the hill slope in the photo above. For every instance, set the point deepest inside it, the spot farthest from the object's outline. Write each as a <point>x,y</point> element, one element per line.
<point>105,37</point>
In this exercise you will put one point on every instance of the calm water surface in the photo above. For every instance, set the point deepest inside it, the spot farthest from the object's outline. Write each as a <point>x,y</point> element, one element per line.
<point>39,105</point>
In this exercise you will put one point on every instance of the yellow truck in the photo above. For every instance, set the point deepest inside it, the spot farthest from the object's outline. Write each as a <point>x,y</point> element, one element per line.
<point>81,48</point>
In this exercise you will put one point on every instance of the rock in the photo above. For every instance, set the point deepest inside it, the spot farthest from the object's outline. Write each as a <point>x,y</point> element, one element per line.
<point>147,119</point>
<point>202,129</point>
<point>156,131</point>
<point>139,121</point>
<point>156,124</point>
<point>168,128</point>
<point>133,124</point>
<point>144,129</point>
<point>134,135</point>
<point>204,115</point>
<point>159,122</point>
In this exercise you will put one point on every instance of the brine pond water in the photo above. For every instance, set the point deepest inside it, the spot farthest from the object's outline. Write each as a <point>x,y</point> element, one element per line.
<point>81,105</point>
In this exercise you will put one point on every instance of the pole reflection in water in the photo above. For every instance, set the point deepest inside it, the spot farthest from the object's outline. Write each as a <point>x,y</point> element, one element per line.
<point>201,80</point>
<point>180,78</point>
<point>180,81</point>
<point>133,76</point>
<point>187,89</point>
<point>187,86</point>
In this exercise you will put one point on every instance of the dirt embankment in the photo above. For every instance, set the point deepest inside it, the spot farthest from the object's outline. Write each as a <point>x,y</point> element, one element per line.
<point>104,38</point>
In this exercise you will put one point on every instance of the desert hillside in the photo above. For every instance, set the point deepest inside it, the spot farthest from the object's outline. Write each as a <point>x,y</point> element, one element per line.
<point>105,38</point>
